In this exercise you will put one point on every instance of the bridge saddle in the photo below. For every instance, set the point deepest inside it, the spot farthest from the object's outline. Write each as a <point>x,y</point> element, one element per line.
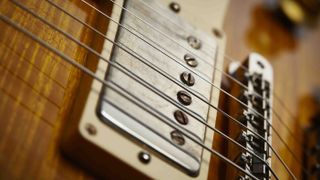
<point>255,114</point>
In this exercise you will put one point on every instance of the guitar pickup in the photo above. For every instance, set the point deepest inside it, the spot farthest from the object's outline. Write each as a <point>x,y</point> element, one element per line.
<point>156,76</point>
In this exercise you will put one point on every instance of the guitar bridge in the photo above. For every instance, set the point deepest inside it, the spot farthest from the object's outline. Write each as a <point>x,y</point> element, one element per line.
<point>254,112</point>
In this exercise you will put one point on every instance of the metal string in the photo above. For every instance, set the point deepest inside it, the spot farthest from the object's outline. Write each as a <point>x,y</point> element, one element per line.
<point>230,59</point>
<point>229,76</point>
<point>225,74</point>
<point>181,64</point>
<point>195,95</point>
<point>104,82</point>
<point>259,114</point>
<point>180,107</point>
<point>156,91</point>
<point>127,70</point>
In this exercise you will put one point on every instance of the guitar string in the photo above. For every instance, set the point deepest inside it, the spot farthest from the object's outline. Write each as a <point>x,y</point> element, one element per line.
<point>229,58</point>
<point>259,114</point>
<point>208,55</point>
<point>104,82</point>
<point>57,29</point>
<point>201,121</point>
<point>159,31</point>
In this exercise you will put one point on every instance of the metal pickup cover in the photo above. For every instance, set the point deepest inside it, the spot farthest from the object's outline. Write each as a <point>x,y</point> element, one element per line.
<point>154,63</point>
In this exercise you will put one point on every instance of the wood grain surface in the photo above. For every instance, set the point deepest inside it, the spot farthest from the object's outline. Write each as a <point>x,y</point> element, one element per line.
<point>294,54</point>
<point>37,88</point>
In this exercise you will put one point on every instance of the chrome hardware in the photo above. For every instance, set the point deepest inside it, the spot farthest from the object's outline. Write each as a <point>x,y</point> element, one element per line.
<point>256,101</point>
<point>243,138</point>
<point>144,157</point>
<point>187,78</point>
<point>260,170</point>
<point>190,60</point>
<point>256,116</point>
<point>243,178</point>
<point>146,76</point>
<point>181,117</point>
<point>184,98</point>
<point>244,160</point>
<point>175,7</point>
<point>244,97</point>
<point>194,42</point>
<point>251,118</point>
<point>177,137</point>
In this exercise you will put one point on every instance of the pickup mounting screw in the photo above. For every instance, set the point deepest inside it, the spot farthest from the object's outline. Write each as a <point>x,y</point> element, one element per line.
<point>144,157</point>
<point>184,98</point>
<point>187,78</point>
<point>91,129</point>
<point>175,7</point>
<point>194,42</point>
<point>181,117</point>
<point>177,137</point>
<point>217,32</point>
<point>190,60</point>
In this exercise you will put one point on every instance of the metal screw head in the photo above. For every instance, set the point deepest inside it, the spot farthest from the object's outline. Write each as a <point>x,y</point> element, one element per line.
<point>256,79</point>
<point>244,97</point>
<point>260,64</point>
<point>177,137</point>
<point>175,7</point>
<point>217,32</point>
<point>187,78</point>
<point>144,157</point>
<point>242,138</point>
<point>181,117</point>
<point>245,159</point>
<point>194,42</point>
<point>91,129</point>
<point>190,60</point>
<point>184,98</point>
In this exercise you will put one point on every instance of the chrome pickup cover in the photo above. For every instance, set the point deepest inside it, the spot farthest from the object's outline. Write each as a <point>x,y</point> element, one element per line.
<point>139,116</point>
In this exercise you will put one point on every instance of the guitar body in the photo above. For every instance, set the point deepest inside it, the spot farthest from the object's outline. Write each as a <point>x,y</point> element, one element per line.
<point>293,55</point>
<point>38,89</point>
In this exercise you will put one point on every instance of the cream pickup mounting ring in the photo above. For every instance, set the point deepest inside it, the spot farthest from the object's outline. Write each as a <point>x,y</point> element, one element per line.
<point>155,79</point>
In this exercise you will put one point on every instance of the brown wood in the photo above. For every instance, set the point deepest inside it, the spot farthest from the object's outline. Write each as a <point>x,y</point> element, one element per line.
<point>37,88</point>
<point>295,58</point>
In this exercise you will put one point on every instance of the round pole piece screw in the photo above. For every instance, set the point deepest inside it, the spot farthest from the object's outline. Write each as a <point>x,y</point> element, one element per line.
<point>175,7</point>
<point>190,60</point>
<point>194,42</point>
<point>184,98</point>
<point>181,117</point>
<point>177,137</point>
<point>144,157</point>
<point>187,78</point>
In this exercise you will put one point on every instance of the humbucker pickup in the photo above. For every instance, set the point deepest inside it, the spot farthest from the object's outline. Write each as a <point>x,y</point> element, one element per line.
<point>165,82</point>
<point>254,112</point>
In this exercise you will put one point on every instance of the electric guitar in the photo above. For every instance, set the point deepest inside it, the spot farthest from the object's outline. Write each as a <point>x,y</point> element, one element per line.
<point>156,89</point>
